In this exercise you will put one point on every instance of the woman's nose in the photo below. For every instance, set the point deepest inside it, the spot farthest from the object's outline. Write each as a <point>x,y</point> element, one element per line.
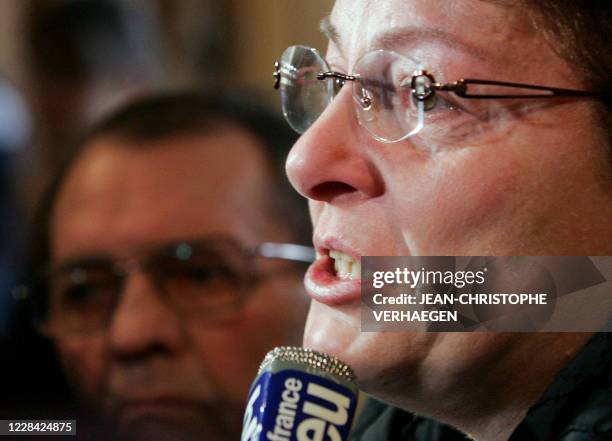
<point>330,161</point>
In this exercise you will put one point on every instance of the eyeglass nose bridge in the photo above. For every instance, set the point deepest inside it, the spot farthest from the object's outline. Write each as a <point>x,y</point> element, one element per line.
<point>365,100</point>
<point>338,75</point>
<point>128,267</point>
<point>125,268</point>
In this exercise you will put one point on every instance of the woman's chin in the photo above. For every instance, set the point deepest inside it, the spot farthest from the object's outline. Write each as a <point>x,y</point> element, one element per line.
<point>375,357</point>
<point>331,330</point>
<point>337,332</point>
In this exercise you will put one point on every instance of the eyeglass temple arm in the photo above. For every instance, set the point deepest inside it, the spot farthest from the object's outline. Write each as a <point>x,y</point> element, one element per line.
<point>287,251</point>
<point>460,88</point>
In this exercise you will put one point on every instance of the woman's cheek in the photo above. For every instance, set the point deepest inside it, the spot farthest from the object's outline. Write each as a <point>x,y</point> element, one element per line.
<point>457,198</point>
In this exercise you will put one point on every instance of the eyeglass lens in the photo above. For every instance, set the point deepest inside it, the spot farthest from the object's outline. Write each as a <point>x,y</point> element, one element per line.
<point>303,96</point>
<point>203,280</point>
<point>382,92</point>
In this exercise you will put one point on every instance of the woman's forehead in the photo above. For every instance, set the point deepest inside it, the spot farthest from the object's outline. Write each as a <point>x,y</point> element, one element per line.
<point>474,26</point>
<point>464,37</point>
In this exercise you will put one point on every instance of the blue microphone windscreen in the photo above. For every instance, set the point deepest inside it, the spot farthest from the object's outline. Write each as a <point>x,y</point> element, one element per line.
<point>300,395</point>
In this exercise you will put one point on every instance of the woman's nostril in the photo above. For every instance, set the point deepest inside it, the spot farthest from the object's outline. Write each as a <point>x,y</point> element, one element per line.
<point>327,191</point>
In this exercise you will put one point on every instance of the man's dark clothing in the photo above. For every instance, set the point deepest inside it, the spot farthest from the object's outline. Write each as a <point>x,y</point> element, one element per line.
<point>577,406</point>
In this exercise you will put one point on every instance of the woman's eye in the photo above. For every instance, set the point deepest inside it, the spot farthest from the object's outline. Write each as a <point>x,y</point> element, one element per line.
<point>442,101</point>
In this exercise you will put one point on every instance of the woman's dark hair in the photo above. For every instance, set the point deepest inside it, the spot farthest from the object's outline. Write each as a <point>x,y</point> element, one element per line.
<point>580,31</point>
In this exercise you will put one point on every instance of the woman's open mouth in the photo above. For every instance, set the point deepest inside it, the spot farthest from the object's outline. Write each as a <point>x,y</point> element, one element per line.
<point>335,277</point>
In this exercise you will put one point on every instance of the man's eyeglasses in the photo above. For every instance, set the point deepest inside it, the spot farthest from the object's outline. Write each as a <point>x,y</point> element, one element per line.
<point>207,279</point>
<point>391,92</point>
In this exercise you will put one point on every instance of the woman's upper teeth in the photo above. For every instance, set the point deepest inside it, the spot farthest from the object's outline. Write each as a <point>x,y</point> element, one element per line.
<point>345,266</point>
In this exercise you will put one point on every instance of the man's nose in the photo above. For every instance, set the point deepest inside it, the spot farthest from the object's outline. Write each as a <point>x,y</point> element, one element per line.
<point>142,322</point>
<point>330,162</point>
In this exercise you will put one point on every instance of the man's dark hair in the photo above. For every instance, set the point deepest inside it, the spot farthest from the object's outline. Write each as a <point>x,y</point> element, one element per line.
<point>32,392</point>
<point>187,113</point>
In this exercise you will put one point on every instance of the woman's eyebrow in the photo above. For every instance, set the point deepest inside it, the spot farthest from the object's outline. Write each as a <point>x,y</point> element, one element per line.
<point>396,37</point>
<point>330,31</point>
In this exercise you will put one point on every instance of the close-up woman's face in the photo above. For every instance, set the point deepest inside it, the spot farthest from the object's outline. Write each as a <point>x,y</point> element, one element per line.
<point>482,177</point>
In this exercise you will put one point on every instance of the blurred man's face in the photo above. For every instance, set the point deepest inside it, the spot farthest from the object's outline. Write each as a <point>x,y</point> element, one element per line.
<point>161,375</point>
<point>482,178</point>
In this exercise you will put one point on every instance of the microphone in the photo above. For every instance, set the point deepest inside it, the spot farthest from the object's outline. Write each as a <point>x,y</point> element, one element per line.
<point>300,395</point>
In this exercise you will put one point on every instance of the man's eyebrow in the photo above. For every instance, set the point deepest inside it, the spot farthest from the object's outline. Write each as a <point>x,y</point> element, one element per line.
<point>330,31</point>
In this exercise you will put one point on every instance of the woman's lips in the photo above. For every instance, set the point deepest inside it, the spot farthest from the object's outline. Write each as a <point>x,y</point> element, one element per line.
<point>324,286</point>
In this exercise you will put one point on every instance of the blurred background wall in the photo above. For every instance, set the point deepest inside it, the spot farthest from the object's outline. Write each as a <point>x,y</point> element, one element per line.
<point>63,63</point>
<point>253,32</point>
